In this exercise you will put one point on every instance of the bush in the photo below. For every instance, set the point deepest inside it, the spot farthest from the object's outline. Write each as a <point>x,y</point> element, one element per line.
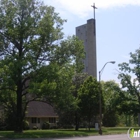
<point>68,126</point>
<point>54,127</point>
<point>10,120</point>
<point>25,125</point>
<point>2,125</point>
<point>46,125</point>
<point>110,118</point>
<point>35,127</point>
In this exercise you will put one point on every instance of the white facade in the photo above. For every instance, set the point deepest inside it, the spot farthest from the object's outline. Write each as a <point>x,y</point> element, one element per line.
<point>87,33</point>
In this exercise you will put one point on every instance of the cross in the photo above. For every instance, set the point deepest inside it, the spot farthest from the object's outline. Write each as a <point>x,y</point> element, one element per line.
<point>94,9</point>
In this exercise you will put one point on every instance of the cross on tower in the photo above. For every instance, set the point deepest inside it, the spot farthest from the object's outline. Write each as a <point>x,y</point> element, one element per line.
<point>94,9</point>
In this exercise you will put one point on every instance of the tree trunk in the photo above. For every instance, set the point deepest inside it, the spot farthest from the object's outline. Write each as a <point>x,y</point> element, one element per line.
<point>76,122</point>
<point>89,125</point>
<point>89,120</point>
<point>129,120</point>
<point>139,119</point>
<point>19,118</point>
<point>126,120</point>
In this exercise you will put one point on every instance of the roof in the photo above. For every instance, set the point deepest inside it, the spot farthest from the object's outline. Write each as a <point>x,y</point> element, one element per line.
<point>40,109</point>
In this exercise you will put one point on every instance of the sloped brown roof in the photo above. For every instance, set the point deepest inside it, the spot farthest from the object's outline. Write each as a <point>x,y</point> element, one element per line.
<point>40,109</point>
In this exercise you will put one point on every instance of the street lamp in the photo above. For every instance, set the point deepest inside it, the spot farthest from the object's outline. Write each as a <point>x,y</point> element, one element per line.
<point>100,97</point>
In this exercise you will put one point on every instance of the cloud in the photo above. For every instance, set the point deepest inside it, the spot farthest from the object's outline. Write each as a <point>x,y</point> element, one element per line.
<point>83,7</point>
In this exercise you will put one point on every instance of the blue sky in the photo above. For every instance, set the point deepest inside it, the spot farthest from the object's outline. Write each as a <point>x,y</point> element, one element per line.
<point>117,28</point>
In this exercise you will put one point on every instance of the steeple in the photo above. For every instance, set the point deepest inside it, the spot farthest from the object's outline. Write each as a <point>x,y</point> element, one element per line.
<point>94,9</point>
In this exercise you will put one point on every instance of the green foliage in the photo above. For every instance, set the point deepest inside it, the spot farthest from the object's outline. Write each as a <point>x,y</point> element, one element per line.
<point>128,106</point>
<point>35,127</point>
<point>66,118</point>
<point>128,120</point>
<point>89,99</point>
<point>34,57</point>
<point>61,133</point>
<point>26,125</point>
<point>110,118</point>
<point>114,99</point>
<point>78,80</point>
<point>46,125</point>
<point>68,109</point>
<point>67,126</point>
<point>2,124</point>
<point>130,80</point>
<point>10,119</point>
<point>113,95</point>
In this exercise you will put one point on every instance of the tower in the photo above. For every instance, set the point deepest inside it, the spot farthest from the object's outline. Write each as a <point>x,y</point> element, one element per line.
<point>87,33</point>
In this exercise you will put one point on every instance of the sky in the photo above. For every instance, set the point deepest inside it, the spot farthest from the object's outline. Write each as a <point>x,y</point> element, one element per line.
<point>117,28</point>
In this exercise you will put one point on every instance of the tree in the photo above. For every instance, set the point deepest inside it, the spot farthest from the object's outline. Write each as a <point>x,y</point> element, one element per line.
<point>130,78</point>
<point>68,109</point>
<point>78,80</point>
<point>112,100</point>
<point>33,54</point>
<point>89,99</point>
<point>128,108</point>
<point>118,104</point>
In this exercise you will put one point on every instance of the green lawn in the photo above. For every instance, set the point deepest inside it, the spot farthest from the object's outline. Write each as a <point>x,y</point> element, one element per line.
<point>57,133</point>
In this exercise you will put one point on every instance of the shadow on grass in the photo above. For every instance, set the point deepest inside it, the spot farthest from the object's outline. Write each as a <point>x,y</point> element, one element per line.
<point>46,133</point>
<point>60,133</point>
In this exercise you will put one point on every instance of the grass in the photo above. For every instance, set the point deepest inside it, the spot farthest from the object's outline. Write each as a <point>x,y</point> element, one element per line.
<point>58,133</point>
<point>46,133</point>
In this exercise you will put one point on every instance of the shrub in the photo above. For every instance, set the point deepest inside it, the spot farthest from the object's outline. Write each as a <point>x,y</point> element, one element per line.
<point>35,127</point>
<point>110,118</point>
<point>54,127</point>
<point>10,119</point>
<point>68,126</point>
<point>25,125</point>
<point>2,125</point>
<point>46,125</point>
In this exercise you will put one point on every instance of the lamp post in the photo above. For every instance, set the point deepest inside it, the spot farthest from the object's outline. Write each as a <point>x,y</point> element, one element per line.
<point>100,97</point>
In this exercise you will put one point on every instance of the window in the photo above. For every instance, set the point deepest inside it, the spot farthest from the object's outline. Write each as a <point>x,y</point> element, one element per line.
<point>38,120</point>
<point>52,120</point>
<point>35,120</point>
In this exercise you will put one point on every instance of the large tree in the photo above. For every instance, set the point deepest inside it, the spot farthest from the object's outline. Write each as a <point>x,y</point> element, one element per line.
<point>112,99</point>
<point>33,55</point>
<point>89,99</point>
<point>68,109</point>
<point>78,80</point>
<point>130,79</point>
